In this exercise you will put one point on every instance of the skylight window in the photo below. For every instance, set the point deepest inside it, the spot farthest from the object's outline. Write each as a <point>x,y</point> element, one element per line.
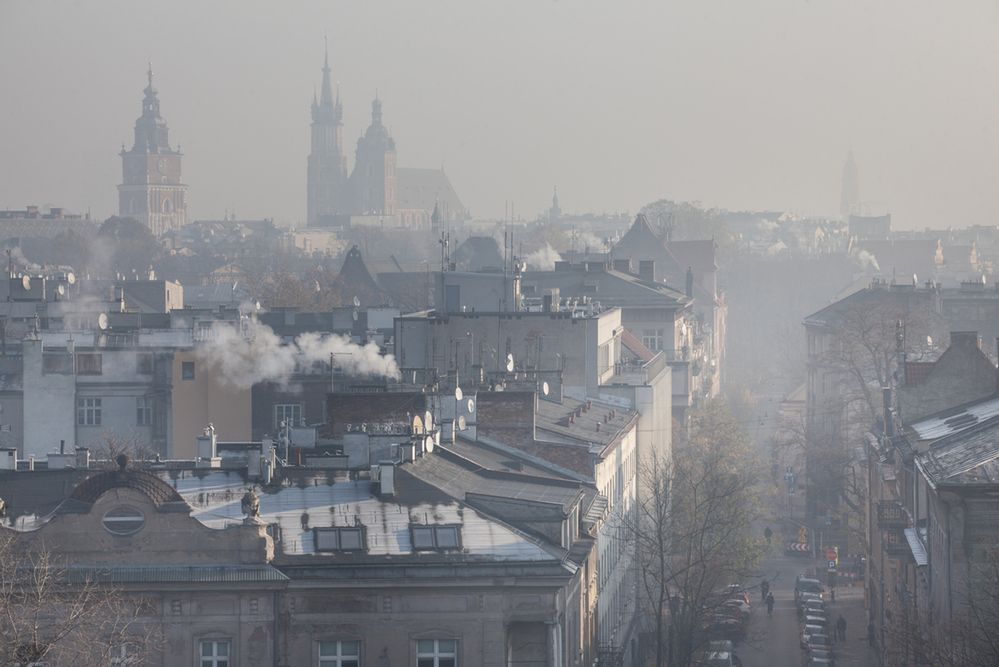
<point>431,538</point>
<point>339,539</point>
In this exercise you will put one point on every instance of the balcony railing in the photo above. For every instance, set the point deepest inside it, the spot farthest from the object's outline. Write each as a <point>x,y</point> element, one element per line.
<point>893,543</point>
<point>891,514</point>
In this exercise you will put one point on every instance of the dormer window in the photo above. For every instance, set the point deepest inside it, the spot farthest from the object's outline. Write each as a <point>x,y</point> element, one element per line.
<point>339,539</point>
<point>435,538</point>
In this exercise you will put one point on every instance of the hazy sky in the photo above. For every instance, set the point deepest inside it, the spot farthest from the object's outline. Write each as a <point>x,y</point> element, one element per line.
<point>738,104</point>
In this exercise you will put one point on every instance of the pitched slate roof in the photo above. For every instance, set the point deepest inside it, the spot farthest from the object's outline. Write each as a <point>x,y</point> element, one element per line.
<point>422,188</point>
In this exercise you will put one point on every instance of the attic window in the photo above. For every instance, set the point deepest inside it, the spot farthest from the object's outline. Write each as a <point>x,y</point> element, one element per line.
<point>339,539</point>
<point>430,538</point>
<point>123,520</point>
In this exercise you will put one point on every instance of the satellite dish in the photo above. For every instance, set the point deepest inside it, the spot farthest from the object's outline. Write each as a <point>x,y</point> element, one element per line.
<point>102,321</point>
<point>471,406</point>
<point>428,444</point>
<point>61,290</point>
<point>417,424</point>
<point>509,363</point>
<point>357,302</point>
<point>544,388</point>
<point>71,278</point>
<point>457,393</point>
<point>461,423</point>
<point>26,282</point>
<point>354,315</point>
<point>428,421</point>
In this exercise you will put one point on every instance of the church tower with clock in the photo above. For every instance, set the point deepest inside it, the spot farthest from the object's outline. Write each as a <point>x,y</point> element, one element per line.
<point>151,190</point>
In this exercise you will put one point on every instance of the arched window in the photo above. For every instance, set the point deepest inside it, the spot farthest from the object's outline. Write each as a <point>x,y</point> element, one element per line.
<point>167,205</point>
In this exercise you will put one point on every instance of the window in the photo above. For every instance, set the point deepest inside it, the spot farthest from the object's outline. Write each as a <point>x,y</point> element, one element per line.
<point>143,411</point>
<point>290,413</point>
<point>88,363</point>
<point>340,654</point>
<point>339,539</point>
<point>57,363</point>
<point>88,411</point>
<point>653,339</point>
<point>187,370</point>
<point>215,653</point>
<point>436,653</point>
<point>144,363</point>
<point>435,537</point>
<point>123,520</point>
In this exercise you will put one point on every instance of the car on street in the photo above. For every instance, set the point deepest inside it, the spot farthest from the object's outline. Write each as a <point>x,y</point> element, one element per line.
<point>819,654</point>
<point>812,608</point>
<point>807,632</point>
<point>724,627</point>
<point>820,642</point>
<point>733,607</point>
<point>805,584</point>
<point>820,662</point>
<point>816,619</point>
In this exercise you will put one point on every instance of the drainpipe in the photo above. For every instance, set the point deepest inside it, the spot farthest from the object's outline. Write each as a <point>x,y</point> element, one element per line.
<point>276,614</point>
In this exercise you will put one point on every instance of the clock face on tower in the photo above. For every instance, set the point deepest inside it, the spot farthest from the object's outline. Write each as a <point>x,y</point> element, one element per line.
<point>162,165</point>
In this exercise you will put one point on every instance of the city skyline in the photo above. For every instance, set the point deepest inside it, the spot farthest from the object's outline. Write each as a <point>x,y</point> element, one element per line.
<point>689,104</point>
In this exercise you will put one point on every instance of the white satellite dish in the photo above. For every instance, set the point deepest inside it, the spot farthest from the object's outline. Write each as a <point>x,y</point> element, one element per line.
<point>354,315</point>
<point>428,444</point>
<point>102,321</point>
<point>357,302</point>
<point>509,363</point>
<point>26,282</point>
<point>544,388</point>
<point>61,290</point>
<point>71,278</point>
<point>471,406</point>
<point>457,393</point>
<point>428,421</point>
<point>461,423</point>
<point>417,424</point>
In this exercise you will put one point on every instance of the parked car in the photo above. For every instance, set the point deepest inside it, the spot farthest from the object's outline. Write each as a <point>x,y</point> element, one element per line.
<point>725,627</point>
<point>807,632</point>
<point>820,642</point>
<point>820,662</point>
<point>819,654</point>
<point>816,619</point>
<point>812,608</point>
<point>805,584</point>
<point>736,605</point>
<point>733,591</point>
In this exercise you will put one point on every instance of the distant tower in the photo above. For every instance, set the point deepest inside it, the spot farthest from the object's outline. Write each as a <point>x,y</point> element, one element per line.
<point>554,213</point>
<point>327,163</point>
<point>373,181</point>
<point>850,195</point>
<point>151,191</point>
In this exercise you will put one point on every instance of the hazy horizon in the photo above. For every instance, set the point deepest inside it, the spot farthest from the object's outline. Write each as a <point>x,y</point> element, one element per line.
<point>617,104</point>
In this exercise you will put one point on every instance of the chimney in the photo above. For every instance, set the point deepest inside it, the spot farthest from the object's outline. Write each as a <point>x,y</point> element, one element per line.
<point>690,283</point>
<point>889,421</point>
<point>386,478</point>
<point>647,270</point>
<point>208,449</point>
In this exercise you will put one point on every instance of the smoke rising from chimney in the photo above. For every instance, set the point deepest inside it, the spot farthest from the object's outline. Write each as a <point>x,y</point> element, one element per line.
<point>258,355</point>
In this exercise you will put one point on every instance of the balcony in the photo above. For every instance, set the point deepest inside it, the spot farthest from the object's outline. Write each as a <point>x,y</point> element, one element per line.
<point>894,544</point>
<point>891,515</point>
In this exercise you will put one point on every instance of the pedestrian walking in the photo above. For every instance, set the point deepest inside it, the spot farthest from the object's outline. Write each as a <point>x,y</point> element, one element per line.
<point>841,627</point>
<point>832,594</point>
<point>770,604</point>
<point>767,533</point>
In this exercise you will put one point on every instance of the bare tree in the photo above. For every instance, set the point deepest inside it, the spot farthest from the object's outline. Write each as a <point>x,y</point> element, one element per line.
<point>51,612</point>
<point>692,532</point>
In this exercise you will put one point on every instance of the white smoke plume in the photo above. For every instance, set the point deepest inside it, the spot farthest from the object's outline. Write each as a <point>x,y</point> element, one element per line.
<point>543,259</point>
<point>586,241</point>
<point>258,355</point>
<point>867,259</point>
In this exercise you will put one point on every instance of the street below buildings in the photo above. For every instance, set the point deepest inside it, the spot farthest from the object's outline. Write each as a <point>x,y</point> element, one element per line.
<point>774,641</point>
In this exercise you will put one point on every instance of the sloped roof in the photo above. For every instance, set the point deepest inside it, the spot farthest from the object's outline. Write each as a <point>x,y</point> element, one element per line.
<point>699,254</point>
<point>422,188</point>
<point>631,341</point>
<point>968,455</point>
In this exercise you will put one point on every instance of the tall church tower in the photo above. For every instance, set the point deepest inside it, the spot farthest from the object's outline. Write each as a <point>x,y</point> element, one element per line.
<point>850,188</point>
<point>327,184</point>
<point>373,181</point>
<point>151,190</point>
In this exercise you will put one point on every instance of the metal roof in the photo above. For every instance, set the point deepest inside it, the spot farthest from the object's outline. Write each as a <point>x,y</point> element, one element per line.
<point>956,420</point>
<point>319,502</point>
